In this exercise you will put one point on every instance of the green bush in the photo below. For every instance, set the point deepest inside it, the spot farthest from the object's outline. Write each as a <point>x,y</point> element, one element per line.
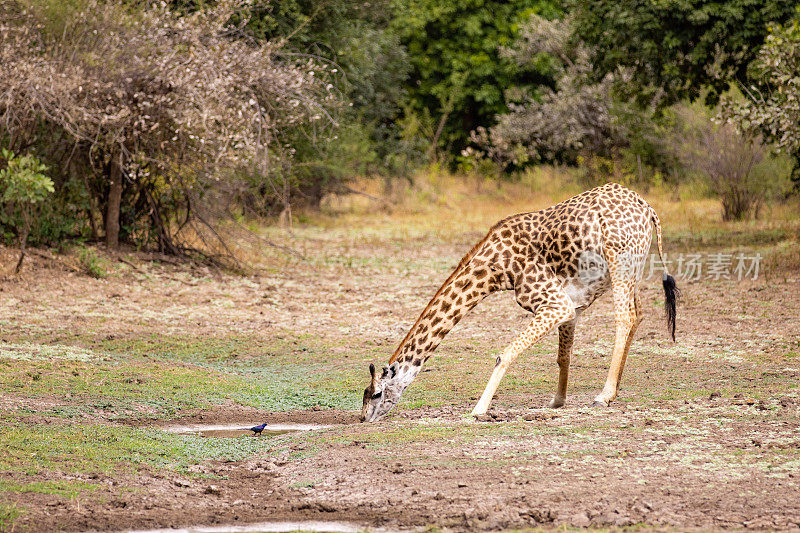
<point>25,186</point>
<point>91,263</point>
<point>23,179</point>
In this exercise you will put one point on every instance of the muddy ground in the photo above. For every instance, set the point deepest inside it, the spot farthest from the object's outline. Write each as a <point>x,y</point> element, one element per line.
<point>704,434</point>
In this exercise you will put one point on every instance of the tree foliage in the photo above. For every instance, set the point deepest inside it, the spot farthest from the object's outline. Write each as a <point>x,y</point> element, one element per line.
<point>459,80</point>
<point>772,107</point>
<point>157,120</point>
<point>676,49</point>
<point>577,120</point>
<point>560,123</point>
<point>23,179</point>
<point>369,67</point>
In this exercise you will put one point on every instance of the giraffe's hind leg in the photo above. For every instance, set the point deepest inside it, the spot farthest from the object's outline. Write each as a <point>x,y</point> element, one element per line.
<point>638,316</point>
<point>628,315</point>
<point>566,334</point>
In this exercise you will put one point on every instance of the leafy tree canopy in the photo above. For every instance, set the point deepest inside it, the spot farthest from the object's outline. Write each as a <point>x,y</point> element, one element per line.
<point>674,49</point>
<point>458,78</point>
<point>776,111</point>
<point>353,35</point>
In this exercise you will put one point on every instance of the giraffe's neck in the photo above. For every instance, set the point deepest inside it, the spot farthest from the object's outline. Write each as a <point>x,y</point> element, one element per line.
<point>463,290</point>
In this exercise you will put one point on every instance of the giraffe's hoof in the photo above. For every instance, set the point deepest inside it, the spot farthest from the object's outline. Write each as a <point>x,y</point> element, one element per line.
<point>555,403</point>
<point>598,403</point>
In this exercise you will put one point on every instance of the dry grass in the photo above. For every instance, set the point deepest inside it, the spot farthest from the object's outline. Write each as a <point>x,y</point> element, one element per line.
<point>458,209</point>
<point>434,199</point>
<point>445,203</point>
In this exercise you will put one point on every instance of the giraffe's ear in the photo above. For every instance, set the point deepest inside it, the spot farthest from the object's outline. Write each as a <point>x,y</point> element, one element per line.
<point>373,375</point>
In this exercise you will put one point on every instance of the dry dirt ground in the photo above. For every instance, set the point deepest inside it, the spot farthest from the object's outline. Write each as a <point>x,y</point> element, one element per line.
<point>704,434</point>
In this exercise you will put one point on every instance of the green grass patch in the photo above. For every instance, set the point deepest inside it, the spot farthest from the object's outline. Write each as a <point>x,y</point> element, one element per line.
<point>67,489</point>
<point>9,512</point>
<point>158,388</point>
<point>380,437</point>
<point>106,449</point>
<point>233,352</point>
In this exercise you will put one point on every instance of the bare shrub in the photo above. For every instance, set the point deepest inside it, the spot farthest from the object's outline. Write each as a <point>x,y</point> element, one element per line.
<point>558,124</point>
<point>167,109</point>
<point>738,165</point>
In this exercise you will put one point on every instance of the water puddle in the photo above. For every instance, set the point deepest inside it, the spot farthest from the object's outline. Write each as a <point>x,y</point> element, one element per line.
<point>264,527</point>
<point>240,430</point>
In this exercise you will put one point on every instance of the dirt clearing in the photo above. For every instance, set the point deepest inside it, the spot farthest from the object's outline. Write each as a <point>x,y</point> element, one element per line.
<point>704,434</point>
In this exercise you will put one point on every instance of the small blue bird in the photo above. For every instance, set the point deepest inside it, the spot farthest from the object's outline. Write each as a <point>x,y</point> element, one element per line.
<point>258,429</point>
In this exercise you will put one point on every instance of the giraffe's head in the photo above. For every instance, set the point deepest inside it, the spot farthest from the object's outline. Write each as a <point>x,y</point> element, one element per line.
<point>382,393</point>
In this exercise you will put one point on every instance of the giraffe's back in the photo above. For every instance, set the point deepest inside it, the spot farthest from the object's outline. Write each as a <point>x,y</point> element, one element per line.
<point>577,237</point>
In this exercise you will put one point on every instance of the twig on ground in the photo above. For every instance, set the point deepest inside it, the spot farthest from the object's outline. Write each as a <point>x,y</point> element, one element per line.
<point>136,268</point>
<point>51,257</point>
<point>163,276</point>
<point>172,278</point>
<point>370,196</point>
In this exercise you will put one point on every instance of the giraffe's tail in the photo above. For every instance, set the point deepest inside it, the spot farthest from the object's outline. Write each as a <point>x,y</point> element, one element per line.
<point>671,291</point>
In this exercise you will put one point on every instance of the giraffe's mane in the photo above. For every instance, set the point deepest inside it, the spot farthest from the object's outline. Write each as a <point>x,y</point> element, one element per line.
<point>461,265</point>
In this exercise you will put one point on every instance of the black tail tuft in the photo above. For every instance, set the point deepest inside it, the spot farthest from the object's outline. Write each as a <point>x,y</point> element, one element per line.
<point>671,296</point>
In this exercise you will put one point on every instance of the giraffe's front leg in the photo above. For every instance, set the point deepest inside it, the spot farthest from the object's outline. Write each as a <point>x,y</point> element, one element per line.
<point>546,318</point>
<point>500,367</point>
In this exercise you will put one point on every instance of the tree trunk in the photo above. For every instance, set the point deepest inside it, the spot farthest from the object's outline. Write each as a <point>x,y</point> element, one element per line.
<point>434,148</point>
<point>639,163</point>
<point>78,173</point>
<point>112,209</point>
<point>23,239</point>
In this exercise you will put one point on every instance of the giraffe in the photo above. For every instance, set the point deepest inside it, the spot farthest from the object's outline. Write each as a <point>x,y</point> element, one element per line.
<point>557,261</point>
